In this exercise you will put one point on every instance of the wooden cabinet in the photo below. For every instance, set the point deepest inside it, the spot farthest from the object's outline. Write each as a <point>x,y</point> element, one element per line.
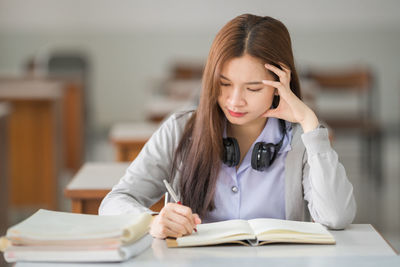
<point>35,139</point>
<point>72,115</point>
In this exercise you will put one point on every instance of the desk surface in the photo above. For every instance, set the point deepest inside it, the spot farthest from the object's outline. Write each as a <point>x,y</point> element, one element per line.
<point>368,261</point>
<point>92,183</point>
<point>98,175</point>
<point>163,106</point>
<point>359,245</point>
<point>356,241</point>
<point>133,131</point>
<point>30,89</point>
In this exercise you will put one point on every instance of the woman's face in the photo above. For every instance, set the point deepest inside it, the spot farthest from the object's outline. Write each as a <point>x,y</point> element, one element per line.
<point>243,97</point>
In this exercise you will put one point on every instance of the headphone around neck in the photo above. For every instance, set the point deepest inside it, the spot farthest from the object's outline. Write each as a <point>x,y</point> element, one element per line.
<point>263,154</point>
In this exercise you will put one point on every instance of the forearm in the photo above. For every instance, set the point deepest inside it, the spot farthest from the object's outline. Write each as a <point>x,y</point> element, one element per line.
<point>327,189</point>
<point>118,203</point>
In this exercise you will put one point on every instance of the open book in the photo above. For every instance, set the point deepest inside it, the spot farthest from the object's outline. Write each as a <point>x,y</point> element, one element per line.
<point>62,236</point>
<point>254,233</point>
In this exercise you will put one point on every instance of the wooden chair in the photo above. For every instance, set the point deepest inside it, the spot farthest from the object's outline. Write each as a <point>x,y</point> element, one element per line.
<point>355,82</point>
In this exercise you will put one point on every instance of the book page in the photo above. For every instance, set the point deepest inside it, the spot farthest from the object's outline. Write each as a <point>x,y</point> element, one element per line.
<point>265,225</point>
<point>52,225</point>
<point>78,254</point>
<point>208,233</point>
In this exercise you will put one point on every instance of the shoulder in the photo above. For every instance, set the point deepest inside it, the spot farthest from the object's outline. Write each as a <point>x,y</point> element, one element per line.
<point>174,125</point>
<point>178,119</point>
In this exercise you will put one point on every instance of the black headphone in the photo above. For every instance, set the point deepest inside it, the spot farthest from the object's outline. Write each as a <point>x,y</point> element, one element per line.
<point>263,154</point>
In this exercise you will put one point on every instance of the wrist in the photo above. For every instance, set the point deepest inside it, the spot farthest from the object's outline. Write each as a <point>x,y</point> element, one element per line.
<point>310,122</point>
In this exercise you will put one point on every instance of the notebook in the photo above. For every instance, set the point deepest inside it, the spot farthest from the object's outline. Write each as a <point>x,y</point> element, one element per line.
<point>255,232</point>
<point>71,237</point>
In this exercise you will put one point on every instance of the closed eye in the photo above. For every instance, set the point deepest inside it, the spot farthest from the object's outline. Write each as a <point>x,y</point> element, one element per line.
<point>224,84</point>
<point>254,90</point>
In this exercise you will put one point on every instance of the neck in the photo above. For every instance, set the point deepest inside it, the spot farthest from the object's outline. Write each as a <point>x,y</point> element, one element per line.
<point>250,130</point>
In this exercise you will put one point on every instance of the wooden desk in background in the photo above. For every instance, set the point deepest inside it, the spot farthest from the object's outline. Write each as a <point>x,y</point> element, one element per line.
<point>92,183</point>
<point>35,150</point>
<point>129,138</point>
<point>74,120</point>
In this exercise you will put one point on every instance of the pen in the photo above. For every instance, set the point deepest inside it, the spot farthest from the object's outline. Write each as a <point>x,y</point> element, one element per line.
<point>171,192</point>
<point>173,195</point>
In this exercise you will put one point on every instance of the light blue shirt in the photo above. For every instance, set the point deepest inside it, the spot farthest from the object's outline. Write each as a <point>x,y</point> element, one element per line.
<point>313,176</point>
<point>248,193</point>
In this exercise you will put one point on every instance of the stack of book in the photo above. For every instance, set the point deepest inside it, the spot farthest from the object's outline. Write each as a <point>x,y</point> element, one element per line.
<point>70,237</point>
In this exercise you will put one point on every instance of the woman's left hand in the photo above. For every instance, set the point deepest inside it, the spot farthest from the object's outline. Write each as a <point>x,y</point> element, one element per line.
<point>290,107</point>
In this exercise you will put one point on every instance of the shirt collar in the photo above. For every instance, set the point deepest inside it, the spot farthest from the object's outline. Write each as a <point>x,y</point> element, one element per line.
<point>273,134</point>
<point>270,134</point>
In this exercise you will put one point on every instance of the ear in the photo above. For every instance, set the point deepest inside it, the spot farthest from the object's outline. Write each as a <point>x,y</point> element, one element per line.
<point>275,101</point>
<point>276,92</point>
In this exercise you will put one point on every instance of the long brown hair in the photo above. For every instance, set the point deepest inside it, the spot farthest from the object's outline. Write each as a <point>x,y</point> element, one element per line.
<point>198,155</point>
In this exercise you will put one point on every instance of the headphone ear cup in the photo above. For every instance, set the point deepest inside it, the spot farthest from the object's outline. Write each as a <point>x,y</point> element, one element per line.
<point>261,156</point>
<point>255,156</point>
<point>231,155</point>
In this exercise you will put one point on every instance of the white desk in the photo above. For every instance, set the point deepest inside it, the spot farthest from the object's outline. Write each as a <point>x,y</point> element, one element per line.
<point>161,106</point>
<point>92,183</point>
<point>359,245</point>
<point>368,261</point>
<point>133,131</point>
<point>129,138</point>
<point>357,240</point>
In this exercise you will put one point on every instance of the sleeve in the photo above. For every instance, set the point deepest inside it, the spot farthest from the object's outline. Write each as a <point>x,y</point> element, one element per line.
<point>142,184</point>
<point>326,188</point>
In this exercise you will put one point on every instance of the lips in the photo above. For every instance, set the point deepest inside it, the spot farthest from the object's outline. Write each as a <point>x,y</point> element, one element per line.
<point>236,114</point>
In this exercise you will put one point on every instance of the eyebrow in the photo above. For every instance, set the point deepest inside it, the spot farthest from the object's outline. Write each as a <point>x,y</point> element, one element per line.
<point>255,82</point>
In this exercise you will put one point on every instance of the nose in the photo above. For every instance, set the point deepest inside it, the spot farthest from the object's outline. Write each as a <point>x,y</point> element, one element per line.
<point>236,98</point>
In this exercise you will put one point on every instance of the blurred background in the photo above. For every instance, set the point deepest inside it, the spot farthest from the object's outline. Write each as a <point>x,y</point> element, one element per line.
<point>90,81</point>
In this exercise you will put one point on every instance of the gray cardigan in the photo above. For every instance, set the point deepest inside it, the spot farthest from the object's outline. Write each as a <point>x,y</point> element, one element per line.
<point>315,181</point>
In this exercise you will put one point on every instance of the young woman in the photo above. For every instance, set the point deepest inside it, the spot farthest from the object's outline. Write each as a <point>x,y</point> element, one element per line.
<point>251,149</point>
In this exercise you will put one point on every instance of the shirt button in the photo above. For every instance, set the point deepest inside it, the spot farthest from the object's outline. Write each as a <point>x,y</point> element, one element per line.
<point>234,189</point>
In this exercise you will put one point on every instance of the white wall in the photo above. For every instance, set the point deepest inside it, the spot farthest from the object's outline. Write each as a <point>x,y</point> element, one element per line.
<point>133,42</point>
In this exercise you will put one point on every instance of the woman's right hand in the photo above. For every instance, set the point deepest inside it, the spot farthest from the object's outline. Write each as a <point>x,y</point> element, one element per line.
<point>174,220</point>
